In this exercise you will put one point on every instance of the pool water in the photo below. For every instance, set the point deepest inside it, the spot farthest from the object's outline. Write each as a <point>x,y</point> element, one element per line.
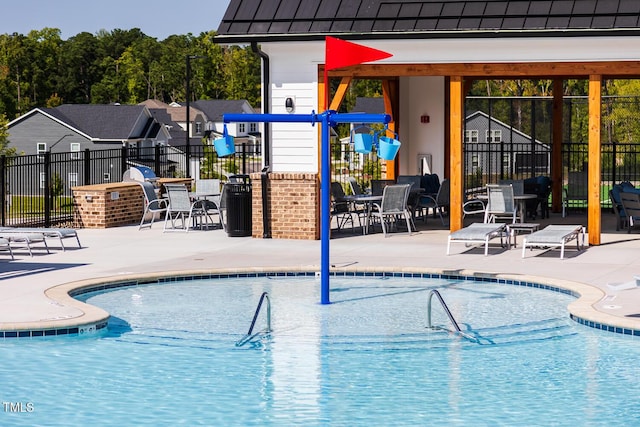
<point>169,358</point>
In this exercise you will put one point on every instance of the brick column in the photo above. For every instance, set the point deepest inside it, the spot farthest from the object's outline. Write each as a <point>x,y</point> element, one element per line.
<point>293,205</point>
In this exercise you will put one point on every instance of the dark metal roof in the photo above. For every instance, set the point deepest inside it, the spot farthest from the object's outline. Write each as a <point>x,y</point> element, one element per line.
<point>369,105</point>
<point>107,122</point>
<point>270,20</point>
<point>215,108</point>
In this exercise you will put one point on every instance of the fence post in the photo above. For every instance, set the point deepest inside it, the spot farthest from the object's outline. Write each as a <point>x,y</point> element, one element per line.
<point>156,156</point>
<point>5,189</point>
<point>47,189</point>
<point>244,158</point>
<point>87,167</point>
<point>123,160</point>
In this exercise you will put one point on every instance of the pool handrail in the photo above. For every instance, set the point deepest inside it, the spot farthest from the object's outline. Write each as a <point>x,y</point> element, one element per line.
<point>249,335</point>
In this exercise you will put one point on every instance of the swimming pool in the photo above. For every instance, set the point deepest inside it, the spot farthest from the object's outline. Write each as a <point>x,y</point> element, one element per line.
<point>169,357</point>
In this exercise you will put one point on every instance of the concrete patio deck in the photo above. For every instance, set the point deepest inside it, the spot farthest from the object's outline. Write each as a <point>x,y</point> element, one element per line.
<point>29,299</point>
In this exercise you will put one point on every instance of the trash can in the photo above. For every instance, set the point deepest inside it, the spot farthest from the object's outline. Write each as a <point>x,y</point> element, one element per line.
<point>238,202</point>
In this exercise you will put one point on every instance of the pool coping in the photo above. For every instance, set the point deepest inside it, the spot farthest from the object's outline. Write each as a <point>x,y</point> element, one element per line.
<point>94,319</point>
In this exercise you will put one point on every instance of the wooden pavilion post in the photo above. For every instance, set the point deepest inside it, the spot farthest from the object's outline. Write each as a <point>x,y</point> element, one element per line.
<point>595,168</point>
<point>556,147</point>
<point>456,107</point>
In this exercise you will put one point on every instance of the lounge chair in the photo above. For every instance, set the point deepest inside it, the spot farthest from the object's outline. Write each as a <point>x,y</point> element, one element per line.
<point>479,233</point>
<point>24,239</point>
<point>5,246</point>
<point>554,236</point>
<point>51,233</point>
<point>631,206</point>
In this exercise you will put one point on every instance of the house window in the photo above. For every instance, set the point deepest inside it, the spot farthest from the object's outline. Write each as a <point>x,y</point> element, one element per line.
<point>72,179</point>
<point>253,127</point>
<point>242,127</point>
<point>506,161</point>
<point>74,147</point>
<point>475,161</point>
<point>198,128</point>
<point>494,136</point>
<point>41,148</point>
<point>42,179</point>
<point>470,136</point>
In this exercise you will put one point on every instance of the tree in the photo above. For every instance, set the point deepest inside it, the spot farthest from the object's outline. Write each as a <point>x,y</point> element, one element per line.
<point>4,138</point>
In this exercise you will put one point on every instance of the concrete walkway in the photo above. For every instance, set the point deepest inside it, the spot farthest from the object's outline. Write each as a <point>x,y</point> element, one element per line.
<point>31,295</point>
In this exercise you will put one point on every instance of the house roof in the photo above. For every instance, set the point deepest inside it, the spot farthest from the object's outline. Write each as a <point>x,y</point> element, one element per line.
<point>106,122</point>
<point>215,108</point>
<point>273,20</point>
<point>369,105</point>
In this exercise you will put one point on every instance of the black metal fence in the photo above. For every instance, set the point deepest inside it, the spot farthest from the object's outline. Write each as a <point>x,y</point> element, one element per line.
<point>512,140</point>
<point>37,188</point>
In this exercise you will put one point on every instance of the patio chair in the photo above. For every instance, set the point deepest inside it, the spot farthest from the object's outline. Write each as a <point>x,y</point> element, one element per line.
<point>341,209</point>
<point>152,204</point>
<point>575,194</point>
<point>473,207</point>
<point>356,189</point>
<point>618,210</point>
<point>438,203</point>
<point>182,208</point>
<point>631,206</point>
<point>393,207</point>
<point>500,204</point>
<point>377,186</point>
<point>208,189</point>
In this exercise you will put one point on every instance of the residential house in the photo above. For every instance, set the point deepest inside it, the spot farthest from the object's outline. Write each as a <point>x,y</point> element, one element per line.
<point>493,148</point>
<point>437,48</point>
<point>73,129</point>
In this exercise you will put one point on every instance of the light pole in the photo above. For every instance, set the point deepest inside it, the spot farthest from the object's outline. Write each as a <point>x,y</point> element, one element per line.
<point>188,95</point>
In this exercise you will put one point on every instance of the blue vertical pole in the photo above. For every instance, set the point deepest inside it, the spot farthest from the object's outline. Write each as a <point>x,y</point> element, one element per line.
<point>328,119</point>
<point>325,208</point>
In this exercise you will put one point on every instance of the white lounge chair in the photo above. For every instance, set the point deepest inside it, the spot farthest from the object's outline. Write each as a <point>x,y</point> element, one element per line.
<point>553,236</point>
<point>24,239</point>
<point>52,233</point>
<point>479,233</point>
<point>5,246</point>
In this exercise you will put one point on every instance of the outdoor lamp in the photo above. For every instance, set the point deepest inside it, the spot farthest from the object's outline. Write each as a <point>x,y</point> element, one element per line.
<point>289,105</point>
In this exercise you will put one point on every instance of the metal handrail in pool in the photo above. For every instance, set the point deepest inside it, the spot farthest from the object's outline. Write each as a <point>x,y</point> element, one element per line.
<point>446,310</point>
<point>249,336</point>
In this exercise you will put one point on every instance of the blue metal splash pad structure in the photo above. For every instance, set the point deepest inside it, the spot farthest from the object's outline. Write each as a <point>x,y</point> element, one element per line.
<point>327,119</point>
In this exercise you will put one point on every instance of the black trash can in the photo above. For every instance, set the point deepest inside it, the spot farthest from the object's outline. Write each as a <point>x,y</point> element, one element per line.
<point>238,201</point>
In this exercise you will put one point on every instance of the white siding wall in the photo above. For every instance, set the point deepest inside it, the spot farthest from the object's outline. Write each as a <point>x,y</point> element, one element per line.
<point>294,73</point>
<point>421,96</point>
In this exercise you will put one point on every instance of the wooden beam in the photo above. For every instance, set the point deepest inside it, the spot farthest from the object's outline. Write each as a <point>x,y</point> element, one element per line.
<point>340,93</point>
<point>556,147</point>
<point>456,111</point>
<point>594,168</point>
<point>506,70</point>
<point>390,95</point>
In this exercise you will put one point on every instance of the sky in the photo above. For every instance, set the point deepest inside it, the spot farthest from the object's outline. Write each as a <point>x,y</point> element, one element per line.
<point>156,18</point>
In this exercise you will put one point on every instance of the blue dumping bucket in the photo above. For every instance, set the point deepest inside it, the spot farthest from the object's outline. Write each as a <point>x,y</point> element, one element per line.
<point>225,145</point>
<point>362,142</point>
<point>388,148</point>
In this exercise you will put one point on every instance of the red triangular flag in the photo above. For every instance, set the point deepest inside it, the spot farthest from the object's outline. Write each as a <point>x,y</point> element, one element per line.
<point>341,53</point>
